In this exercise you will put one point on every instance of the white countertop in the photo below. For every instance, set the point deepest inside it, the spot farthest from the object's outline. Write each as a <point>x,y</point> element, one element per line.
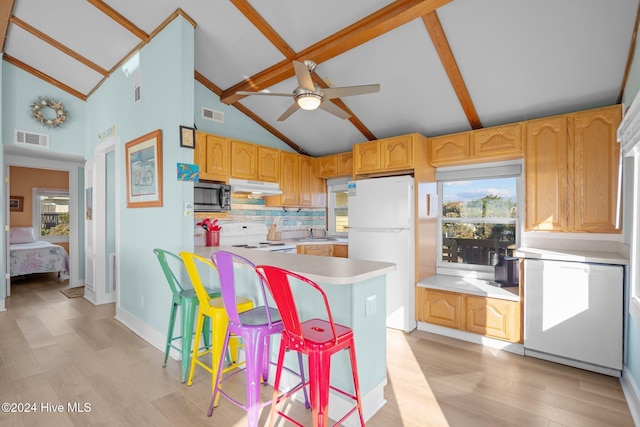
<point>330,270</point>
<point>468,285</point>
<point>600,257</point>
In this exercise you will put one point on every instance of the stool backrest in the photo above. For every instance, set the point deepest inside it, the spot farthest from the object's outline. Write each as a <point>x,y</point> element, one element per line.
<point>191,263</point>
<point>165,257</point>
<point>278,282</point>
<point>225,262</point>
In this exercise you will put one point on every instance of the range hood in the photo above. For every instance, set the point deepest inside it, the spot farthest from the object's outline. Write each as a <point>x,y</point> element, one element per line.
<point>261,188</point>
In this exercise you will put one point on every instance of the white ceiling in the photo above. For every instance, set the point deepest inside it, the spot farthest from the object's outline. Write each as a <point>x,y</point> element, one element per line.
<point>518,59</point>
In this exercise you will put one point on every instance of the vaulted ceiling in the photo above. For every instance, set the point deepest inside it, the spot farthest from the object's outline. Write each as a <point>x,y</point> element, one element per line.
<point>443,66</point>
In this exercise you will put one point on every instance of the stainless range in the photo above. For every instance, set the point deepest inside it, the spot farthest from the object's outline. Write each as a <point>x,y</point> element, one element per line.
<point>251,235</point>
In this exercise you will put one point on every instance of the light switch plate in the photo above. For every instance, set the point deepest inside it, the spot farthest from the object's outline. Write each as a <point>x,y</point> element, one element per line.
<point>188,209</point>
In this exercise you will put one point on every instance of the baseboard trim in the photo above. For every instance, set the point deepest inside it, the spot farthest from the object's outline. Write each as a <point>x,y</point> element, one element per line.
<point>2,306</point>
<point>144,331</point>
<point>631,394</point>
<point>511,347</point>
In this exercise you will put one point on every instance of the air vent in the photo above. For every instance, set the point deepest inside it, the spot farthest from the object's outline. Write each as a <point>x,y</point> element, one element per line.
<point>137,87</point>
<point>209,114</point>
<point>31,139</point>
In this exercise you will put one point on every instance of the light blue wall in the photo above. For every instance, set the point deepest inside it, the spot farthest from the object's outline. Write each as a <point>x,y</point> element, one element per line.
<point>236,124</point>
<point>167,69</point>
<point>632,338</point>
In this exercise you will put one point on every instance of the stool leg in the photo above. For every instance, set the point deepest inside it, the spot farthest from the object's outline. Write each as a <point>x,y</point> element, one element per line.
<point>356,382</point>
<point>276,384</point>
<point>254,352</point>
<point>218,333</point>
<point>195,351</point>
<point>304,389</point>
<point>172,322</point>
<point>188,314</point>
<point>319,375</point>
<point>218,378</point>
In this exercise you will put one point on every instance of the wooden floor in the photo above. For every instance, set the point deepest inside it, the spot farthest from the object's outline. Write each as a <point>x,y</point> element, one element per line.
<point>60,351</point>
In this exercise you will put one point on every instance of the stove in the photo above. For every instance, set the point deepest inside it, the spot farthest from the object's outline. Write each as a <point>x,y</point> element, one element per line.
<point>251,235</point>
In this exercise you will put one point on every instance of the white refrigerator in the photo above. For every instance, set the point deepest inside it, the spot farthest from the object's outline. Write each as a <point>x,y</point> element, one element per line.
<point>381,228</point>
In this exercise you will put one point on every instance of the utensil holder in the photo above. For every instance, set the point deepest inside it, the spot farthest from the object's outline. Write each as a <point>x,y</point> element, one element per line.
<point>212,237</point>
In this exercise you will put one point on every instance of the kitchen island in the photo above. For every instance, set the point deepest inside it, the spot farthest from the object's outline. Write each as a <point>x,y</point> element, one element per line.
<point>356,292</point>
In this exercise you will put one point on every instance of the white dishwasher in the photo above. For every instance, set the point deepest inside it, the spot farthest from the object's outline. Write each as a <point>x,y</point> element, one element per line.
<point>573,314</point>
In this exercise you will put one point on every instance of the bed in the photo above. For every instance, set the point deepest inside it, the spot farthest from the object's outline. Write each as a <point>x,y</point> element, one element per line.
<point>28,255</point>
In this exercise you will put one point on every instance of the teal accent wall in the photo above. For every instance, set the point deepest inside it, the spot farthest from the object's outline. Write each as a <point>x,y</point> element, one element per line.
<point>236,124</point>
<point>166,67</point>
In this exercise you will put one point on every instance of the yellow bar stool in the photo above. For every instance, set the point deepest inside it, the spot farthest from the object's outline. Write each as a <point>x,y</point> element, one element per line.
<point>212,308</point>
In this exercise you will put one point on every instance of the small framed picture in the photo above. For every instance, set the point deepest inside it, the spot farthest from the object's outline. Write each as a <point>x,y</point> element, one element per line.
<point>144,171</point>
<point>187,137</point>
<point>16,203</point>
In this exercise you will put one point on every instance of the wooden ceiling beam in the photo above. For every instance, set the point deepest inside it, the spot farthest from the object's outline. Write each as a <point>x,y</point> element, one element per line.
<point>632,49</point>
<point>45,38</point>
<point>263,26</point>
<point>37,73</point>
<point>124,22</point>
<point>439,38</point>
<point>380,22</point>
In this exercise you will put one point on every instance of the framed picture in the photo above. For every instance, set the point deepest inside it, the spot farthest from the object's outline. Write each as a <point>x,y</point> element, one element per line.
<point>187,137</point>
<point>144,171</point>
<point>16,203</point>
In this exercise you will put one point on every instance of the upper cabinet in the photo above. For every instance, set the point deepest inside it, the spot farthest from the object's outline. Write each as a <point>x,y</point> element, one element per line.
<point>571,172</point>
<point>256,162</point>
<point>212,154</point>
<point>390,155</point>
<point>335,165</point>
<point>268,164</point>
<point>483,145</point>
<point>299,184</point>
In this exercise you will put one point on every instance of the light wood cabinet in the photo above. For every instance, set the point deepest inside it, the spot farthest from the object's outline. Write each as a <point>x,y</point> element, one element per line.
<point>546,174</point>
<point>442,308</point>
<point>268,164</point>
<point>341,251</point>
<point>324,249</point>
<point>484,145</point>
<point>571,172</point>
<point>491,317</point>
<point>597,156</point>
<point>299,184</point>
<point>212,155</point>
<point>384,156</point>
<point>321,249</point>
<point>335,165</point>
<point>244,160</point>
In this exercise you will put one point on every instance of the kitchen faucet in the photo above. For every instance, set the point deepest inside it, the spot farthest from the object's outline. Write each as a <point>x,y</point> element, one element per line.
<point>310,232</point>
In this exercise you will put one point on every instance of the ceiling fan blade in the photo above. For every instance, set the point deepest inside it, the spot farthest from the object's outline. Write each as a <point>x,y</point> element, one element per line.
<point>264,93</point>
<point>341,92</point>
<point>332,108</point>
<point>289,111</point>
<point>304,76</point>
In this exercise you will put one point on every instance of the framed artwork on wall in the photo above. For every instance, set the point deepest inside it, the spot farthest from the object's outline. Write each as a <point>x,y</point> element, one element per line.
<point>16,203</point>
<point>187,137</point>
<point>144,171</point>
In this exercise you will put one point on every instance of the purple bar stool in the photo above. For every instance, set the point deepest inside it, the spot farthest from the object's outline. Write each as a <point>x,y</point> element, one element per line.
<point>255,326</point>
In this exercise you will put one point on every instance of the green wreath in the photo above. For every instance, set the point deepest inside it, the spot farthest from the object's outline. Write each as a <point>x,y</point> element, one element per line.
<point>39,112</point>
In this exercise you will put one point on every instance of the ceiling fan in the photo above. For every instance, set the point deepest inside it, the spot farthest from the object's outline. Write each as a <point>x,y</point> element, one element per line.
<point>310,96</point>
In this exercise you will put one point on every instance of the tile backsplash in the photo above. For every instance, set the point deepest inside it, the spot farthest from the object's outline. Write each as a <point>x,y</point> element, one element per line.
<point>291,222</point>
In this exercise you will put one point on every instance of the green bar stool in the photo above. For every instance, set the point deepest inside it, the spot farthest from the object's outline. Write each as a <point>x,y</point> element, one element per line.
<point>187,300</point>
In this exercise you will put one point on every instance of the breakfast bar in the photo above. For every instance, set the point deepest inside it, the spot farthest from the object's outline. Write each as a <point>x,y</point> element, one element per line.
<point>356,291</point>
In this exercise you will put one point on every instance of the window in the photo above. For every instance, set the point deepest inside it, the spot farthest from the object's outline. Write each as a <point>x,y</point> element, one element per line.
<point>51,211</point>
<point>478,221</point>
<point>338,207</point>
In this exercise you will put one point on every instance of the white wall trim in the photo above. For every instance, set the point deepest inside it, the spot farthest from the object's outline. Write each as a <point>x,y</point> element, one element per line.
<point>631,393</point>
<point>511,347</point>
<point>2,306</point>
<point>144,331</point>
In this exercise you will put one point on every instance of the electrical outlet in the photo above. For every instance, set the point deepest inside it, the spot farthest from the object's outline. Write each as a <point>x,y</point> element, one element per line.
<point>370,306</point>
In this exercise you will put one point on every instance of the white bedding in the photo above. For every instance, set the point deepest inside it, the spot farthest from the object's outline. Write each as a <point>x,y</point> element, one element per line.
<point>38,257</point>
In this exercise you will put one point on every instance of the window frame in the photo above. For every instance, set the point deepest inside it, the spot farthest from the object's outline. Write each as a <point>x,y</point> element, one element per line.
<point>336,185</point>
<point>37,214</point>
<point>493,170</point>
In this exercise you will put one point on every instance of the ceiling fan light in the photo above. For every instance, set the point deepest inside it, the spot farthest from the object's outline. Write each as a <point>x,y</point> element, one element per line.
<point>308,101</point>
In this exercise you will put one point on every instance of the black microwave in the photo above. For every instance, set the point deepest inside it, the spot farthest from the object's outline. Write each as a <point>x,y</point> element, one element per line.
<point>211,197</point>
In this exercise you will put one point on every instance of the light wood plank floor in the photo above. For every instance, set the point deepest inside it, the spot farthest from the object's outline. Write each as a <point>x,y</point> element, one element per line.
<point>57,350</point>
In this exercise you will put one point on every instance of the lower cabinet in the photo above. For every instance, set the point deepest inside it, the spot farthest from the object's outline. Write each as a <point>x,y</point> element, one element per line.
<point>491,317</point>
<point>324,249</point>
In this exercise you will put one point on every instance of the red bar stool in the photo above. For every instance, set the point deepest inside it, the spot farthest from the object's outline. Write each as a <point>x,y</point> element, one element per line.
<point>317,338</point>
